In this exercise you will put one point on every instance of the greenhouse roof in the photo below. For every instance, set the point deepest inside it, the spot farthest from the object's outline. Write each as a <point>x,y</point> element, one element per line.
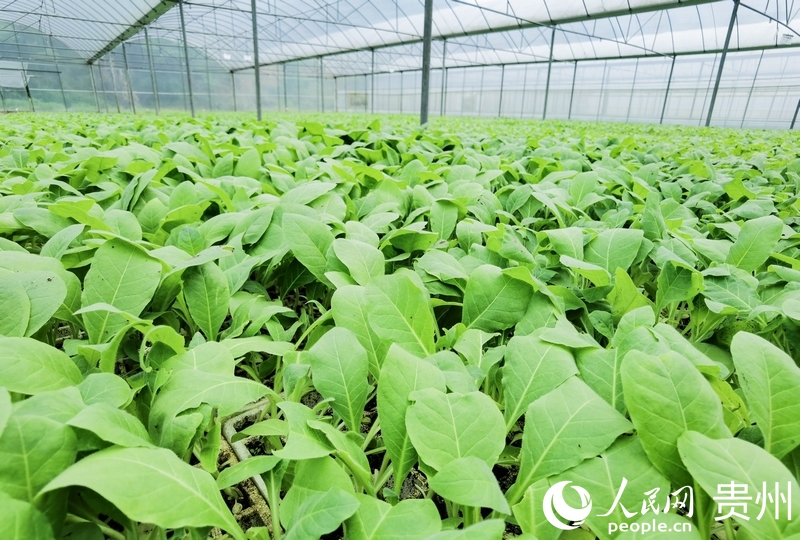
<point>477,32</point>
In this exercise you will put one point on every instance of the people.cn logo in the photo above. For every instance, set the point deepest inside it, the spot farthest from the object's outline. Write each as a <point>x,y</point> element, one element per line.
<point>556,507</point>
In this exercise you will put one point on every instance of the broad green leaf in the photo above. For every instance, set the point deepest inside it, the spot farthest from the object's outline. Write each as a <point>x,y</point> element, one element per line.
<point>303,442</point>
<point>444,427</point>
<point>562,428</point>
<point>494,300</point>
<point>16,308</point>
<point>31,367</point>
<point>408,520</point>
<point>105,388</point>
<point>614,248</point>
<point>112,425</point>
<point>404,373</point>
<point>770,380</point>
<point>490,529</point>
<point>33,451</point>
<point>120,275</point>
<point>653,223</point>
<point>363,261</point>
<point>469,481</point>
<point>5,408</point>
<point>677,283</point>
<point>625,296</point>
<point>321,514</point>
<point>602,476</point>
<point>351,310</point>
<point>717,463</point>
<point>206,290</point>
<point>755,243</point>
<point>594,273</point>
<point>399,312</point>
<point>309,241</point>
<point>567,241</point>
<point>444,216</point>
<point>666,397</point>
<point>312,477</point>
<point>139,480</point>
<point>252,466</point>
<point>249,164</point>
<point>532,369</point>
<point>20,520</point>
<point>599,368</point>
<point>339,367</point>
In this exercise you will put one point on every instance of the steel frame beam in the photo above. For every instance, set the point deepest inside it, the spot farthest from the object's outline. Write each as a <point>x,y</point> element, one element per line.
<point>186,59</point>
<point>132,30</point>
<point>256,71</point>
<point>722,62</point>
<point>666,92</point>
<point>794,118</point>
<point>750,94</point>
<point>502,83</point>
<point>549,69</point>
<point>572,90</point>
<point>444,77</point>
<point>128,77</point>
<point>426,62</point>
<point>152,71</point>
<point>94,88</point>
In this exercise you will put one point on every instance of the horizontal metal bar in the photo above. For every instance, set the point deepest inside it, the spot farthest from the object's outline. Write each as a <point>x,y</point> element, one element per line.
<point>158,10</point>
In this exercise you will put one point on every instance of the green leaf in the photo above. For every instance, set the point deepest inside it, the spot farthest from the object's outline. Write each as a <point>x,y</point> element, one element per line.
<point>562,428</point>
<point>105,388</point>
<point>33,451</point>
<point>363,261</point>
<point>602,476</point>
<point>756,241</point>
<point>625,296</point>
<point>400,312</point>
<point>567,242</point>
<point>351,310</point>
<point>444,216</point>
<point>408,520</point>
<point>770,379</point>
<point>614,248</point>
<point>469,481</point>
<point>249,164</point>
<point>112,425</point>
<point>321,514</point>
<point>490,529</point>
<point>16,308</point>
<point>666,397</point>
<point>46,292</point>
<point>309,241</point>
<point>532,369</point>
<point>206,290</point>
<point>5,408</point>
<point>20,520</point>
<point>599,368</point>
<point>32,367</point>
<point>529,513</point>
<point>339,367</point>
<point>139,480</point>
<point>402,373</point>
<point>717,463</point>
<point>252,466</point>
<point>312,477</point>
<point>494,300</point>
<point>444,427</point>
<point>120,275</point>
<point>677,283</point>
<point>303,441</point>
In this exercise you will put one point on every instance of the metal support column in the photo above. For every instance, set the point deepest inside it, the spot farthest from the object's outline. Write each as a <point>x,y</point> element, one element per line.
<point>666,93</point>
<point>285,88</point>
<point>321,87</point>
<point>426,62</point>
<point>102,83</point>
<point>186,57</point>
<point>257,70</point>
<point>94,87</point>
<point>58,72</point>
<point>233,91</point>
<point>722,62</point>
<point>502,82</point>
<point>572,90</point>
<point>335,94</point>
<point>114,79</point>
<point>444,77</point>
<point>128,77</point>
<point>152,71</point>
<point>401,92</point>
<point>549,68</point>
<point>633,87</point>
<point>750,94</point>
<point>794,118</point>
<point>372,84</point>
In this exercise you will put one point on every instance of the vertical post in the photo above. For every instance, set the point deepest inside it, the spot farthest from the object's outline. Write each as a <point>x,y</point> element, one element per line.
<point>401,92</point>
<point>572,90</point>
<point>372,84</point>
<point>335,94</point>
<point>58,72</point>
<point>366,105</point>
<point>794,118</point>
<point>666,93</point>
<point>257,70</point>
<point>152,71</point>
<point>502,82</point>
<point>444,76</point>
<point>102,83</point>
<point>114,79</point>
<point>602,86</point>
<point>321,86</point>
<point>426,62</point>
<point>633,87</point>
<point>94,87</point>
<point>186,57</point>
<point>749,95</point>
<point>233,91</point>
<point>722,62</point>
<point>549,69</point>
<point>285,88</point>
<point>128,76</point>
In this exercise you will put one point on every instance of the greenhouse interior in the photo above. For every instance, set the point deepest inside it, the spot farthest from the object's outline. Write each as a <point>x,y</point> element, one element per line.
<point>650,61</point>
<point>399,270</point>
